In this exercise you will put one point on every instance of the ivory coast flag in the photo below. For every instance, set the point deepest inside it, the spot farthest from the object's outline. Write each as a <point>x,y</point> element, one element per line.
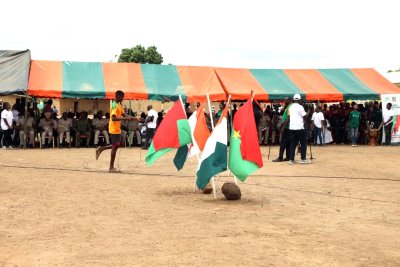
<point>173,132</point>
<point>244,151</point>
<point>214,157</point>
<point>199,130</point>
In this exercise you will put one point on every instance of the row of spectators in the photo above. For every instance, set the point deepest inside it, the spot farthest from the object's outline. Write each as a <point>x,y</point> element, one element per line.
<point>336,122</point>
<point>70,129</point>
<point>48,129</point>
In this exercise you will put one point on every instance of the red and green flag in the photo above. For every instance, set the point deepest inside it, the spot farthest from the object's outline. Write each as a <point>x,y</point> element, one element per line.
<point>244,151</point>
<point>173,132</point>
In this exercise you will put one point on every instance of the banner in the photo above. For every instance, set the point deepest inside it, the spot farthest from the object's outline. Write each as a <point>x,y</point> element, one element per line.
<point>395,100</point>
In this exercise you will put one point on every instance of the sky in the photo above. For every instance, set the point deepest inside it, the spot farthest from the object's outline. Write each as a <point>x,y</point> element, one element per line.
<point>235,33</point>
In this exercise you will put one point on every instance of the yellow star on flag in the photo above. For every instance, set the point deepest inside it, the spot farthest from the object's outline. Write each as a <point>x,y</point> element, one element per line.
<point>236,134</point>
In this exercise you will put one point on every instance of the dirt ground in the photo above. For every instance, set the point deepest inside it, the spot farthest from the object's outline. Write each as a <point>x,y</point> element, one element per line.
<point>61,208</point>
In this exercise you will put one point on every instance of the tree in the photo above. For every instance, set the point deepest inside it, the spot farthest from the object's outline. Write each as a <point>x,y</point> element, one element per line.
<point>152,56</point>
<point>139,54</point>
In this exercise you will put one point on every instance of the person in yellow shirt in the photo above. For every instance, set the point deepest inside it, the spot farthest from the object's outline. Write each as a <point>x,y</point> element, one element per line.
<point>117,115</point>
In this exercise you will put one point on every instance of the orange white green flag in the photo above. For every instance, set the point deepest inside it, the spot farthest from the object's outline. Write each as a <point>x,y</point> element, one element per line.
<point>199,131</point>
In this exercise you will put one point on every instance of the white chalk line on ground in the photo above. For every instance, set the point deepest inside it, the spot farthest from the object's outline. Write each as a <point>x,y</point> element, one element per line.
<point>227,176</point>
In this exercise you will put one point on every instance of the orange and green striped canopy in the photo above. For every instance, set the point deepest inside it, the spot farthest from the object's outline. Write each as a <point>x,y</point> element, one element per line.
<point>313,84</point>
<point>95,80</point>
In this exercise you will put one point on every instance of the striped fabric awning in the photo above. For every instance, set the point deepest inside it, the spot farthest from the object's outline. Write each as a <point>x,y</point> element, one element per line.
<point>312,84</point>
<point>94,80</point>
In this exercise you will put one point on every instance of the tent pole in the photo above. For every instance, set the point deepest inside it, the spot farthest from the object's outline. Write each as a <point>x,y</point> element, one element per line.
<point>212,126</point>
<point>26,119</point>
<point>129,132</point>
<point>231,120</point>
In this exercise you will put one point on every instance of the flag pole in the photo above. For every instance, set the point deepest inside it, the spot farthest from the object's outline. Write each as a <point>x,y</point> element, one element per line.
<point>183,106</point>
<point>195,178</point>
<point>231,119</point>
<point>198,160</point>
<point>212,127</point>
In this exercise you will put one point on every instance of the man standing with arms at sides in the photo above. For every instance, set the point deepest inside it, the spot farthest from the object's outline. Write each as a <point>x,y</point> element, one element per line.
<point>297,131</point>
<point>284,143</point>
<point>318,122</point>
<point>354,123</point>
<point>117,115</point>
<point>7,125</point>
<point>151,121</point>
<point>388,123</point>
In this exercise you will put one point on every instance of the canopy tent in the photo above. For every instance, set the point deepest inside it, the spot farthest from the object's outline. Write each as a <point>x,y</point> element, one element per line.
<point>95,80</point>
<point>14,70</point>
<point>322,84</point>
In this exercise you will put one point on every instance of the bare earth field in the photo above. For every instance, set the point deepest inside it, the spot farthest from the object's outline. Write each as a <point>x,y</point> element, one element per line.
<point>62,208</point>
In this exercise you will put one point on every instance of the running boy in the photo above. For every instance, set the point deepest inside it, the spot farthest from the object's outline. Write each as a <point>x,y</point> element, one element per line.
<point>117,115</point>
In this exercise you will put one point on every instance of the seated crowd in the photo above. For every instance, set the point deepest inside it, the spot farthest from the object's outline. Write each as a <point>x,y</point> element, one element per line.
<point>327,124</point>
<point>78,130</point>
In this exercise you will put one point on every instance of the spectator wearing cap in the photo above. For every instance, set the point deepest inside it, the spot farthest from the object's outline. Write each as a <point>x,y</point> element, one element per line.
<point>296,130</point>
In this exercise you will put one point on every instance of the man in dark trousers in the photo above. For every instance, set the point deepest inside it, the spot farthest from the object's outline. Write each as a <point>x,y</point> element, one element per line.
<point>297,131</point>
<point>388,123</point>
<point>284,143</point>
<point>7,125</point>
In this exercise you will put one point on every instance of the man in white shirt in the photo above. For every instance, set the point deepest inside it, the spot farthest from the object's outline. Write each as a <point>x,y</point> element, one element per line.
<point>151,121</point>
<point>318,120</point>
<point>297,131</point>
<point>7,125</point>
<point>388,123</point>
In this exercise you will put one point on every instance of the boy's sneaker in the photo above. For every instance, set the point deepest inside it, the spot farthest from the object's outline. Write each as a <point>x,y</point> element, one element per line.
<point>305,161</point>
<point>291,162</point>
<point>10,147</point>
<point>355,145</point>
<point>4,147</point>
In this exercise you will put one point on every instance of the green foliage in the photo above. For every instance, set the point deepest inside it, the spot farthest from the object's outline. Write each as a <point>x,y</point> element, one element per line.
<point>139,54</point>
<point>152,56</point>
